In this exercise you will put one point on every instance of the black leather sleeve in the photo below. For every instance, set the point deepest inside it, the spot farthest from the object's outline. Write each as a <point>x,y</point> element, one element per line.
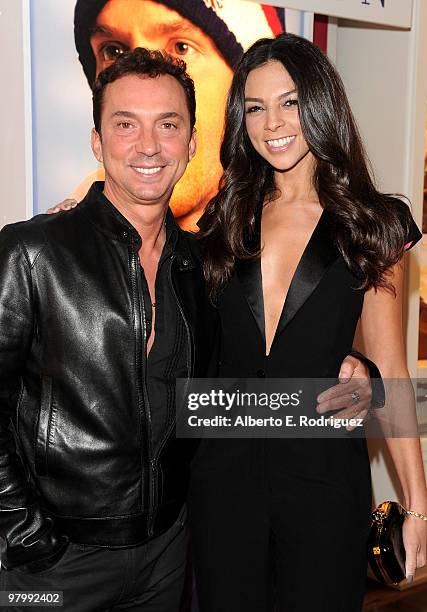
<point>26,536</point>
<point>378,391</point>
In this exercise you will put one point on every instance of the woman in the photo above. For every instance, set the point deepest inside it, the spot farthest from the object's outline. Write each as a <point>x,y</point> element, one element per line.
<point>298,245</point>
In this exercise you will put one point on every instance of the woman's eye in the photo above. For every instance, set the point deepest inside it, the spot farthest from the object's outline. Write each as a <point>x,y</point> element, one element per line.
<point>293,102</point>
<point>112,51</point>
<point>253,109</point>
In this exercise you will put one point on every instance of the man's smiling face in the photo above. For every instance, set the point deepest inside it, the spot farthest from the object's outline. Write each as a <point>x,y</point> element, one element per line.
<point>126,24</point>
<point>145,139</point>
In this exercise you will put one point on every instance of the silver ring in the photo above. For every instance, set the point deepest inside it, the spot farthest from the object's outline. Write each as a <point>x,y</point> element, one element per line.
<point>355,397</point>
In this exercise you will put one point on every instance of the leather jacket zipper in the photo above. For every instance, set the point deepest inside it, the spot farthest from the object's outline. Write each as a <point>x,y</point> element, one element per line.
<point>190,366</point>
<point>143,401</point>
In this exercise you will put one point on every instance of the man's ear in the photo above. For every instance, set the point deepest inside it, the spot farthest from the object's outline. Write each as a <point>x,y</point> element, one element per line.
<point>192,145</point>
<point>96,143</point>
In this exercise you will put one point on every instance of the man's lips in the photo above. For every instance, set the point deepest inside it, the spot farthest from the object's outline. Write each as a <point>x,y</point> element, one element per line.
<point>147,171</point>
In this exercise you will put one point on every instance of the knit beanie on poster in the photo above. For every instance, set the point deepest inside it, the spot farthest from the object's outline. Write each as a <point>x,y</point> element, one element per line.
<point>231,30</point>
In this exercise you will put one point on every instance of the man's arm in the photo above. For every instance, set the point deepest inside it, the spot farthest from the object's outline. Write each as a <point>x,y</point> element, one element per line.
<point>377,385</point>
<point>27,538</point>
<point>360,389</point>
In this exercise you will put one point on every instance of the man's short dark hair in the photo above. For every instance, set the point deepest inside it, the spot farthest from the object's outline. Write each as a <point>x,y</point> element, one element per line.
<point>146,63</point>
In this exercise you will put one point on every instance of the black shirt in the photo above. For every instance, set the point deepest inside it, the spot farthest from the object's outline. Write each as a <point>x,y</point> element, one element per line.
<point>166,360</point>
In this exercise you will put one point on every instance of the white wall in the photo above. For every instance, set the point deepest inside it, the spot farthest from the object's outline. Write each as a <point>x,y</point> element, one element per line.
<point>385,73</point>
<point>15,111</point>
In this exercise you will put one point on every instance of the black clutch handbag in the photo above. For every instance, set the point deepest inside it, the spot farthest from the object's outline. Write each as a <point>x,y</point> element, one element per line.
<point>386,553</point>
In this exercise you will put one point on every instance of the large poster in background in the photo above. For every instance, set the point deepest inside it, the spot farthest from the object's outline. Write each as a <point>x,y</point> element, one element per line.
<point>396,13</point>
<point>210,35</point>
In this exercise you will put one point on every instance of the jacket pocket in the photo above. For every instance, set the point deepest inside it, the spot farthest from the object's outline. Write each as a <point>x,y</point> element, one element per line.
<point>45,427</point>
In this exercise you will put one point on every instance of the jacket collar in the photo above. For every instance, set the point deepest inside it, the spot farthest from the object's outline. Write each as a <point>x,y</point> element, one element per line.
<point>317,257</point>
<point>115,226</point>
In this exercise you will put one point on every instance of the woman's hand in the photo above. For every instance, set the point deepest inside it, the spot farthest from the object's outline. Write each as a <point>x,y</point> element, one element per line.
<point>415,542</point>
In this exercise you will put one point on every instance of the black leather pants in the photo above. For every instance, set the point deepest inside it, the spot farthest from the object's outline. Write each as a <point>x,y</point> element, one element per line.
<point>147,578</point>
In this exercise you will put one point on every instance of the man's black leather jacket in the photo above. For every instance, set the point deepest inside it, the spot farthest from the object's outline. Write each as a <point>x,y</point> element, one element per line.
<point>75,445</point>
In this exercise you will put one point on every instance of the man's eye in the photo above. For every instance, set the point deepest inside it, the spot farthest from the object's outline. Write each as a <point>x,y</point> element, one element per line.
<point>181,48</point>
<point>169,126</point>
<point>112,51</point>
<point>125,125</point>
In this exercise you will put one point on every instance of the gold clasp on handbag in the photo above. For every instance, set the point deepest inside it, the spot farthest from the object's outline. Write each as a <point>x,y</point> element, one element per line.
<point>378,515</point>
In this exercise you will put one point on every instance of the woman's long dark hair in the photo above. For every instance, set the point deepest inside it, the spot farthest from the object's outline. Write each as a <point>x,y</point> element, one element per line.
<point>370,226</point>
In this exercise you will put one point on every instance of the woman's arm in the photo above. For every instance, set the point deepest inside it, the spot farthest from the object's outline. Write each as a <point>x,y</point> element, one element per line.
<point>381,326</point>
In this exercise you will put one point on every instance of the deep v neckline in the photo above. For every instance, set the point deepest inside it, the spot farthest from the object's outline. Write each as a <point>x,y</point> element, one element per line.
<point>294,276</point>
<point>319,254</point>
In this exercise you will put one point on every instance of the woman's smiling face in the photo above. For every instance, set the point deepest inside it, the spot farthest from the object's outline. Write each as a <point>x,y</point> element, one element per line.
<point>272,117</point>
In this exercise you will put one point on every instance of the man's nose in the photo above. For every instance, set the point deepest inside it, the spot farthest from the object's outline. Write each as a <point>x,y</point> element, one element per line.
<point>140,38</point>
<point>148,144</point>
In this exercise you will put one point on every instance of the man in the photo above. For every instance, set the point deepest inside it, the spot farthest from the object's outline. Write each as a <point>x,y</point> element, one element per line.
<point>93,481</point>
<point>210,35</point>
<point>101,309</point>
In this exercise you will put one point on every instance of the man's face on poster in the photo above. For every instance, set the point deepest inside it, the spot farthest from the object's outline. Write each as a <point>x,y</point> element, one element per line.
<point>126,24</point>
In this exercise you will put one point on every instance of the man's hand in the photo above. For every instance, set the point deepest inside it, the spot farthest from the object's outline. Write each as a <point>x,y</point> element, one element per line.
<point>351,398</point>
<point>67,204</point>
<point>214,4</point>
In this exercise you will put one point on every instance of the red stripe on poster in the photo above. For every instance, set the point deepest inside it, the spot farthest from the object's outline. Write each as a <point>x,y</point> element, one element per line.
<point>320,34</point>
<point>272,18</point>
